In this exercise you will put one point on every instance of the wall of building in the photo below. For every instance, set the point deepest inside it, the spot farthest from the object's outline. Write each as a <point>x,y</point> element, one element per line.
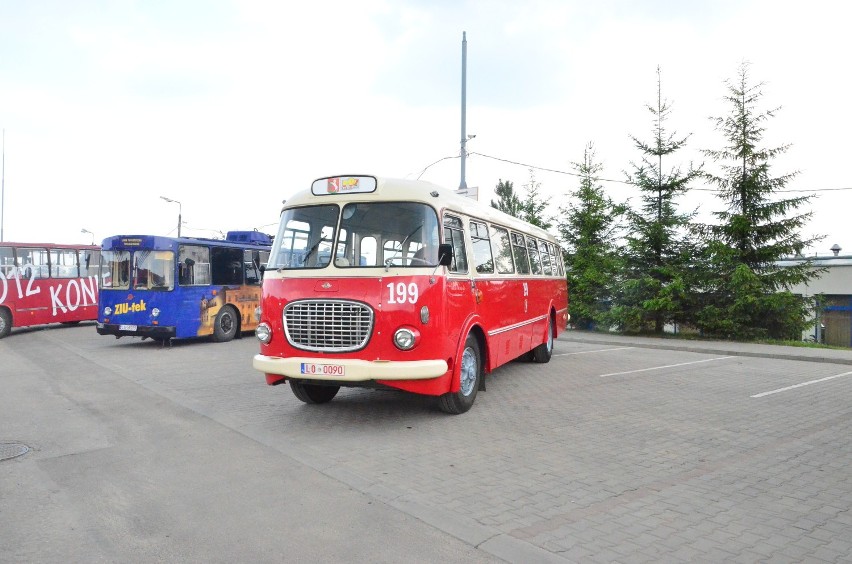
<point>834,326</point>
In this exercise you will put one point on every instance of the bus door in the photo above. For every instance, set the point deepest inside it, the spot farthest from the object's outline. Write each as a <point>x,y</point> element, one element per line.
<point>497,291</point>
<point>461,290</point>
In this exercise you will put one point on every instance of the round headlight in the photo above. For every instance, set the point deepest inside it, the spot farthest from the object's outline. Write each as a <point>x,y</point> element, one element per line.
<point>155,312</point>
<point>107,310</point>
<point>404,339</point>
<point>263,333</point>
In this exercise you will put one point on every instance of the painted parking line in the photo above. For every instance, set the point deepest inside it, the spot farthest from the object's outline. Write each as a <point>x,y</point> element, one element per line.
<point>595,351</point>
<point>663,367</point>
<point>808,383</point>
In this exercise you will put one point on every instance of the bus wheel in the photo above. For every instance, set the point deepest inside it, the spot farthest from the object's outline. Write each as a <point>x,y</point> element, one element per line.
<point>544,351</point>
<point>313,393</point>
<point>226,324</point>
<point>470,374</point>
<point>5,322</point>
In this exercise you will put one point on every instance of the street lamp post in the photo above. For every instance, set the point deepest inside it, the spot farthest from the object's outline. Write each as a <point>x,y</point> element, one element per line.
<point>84,230</point>
<point>179,210</point>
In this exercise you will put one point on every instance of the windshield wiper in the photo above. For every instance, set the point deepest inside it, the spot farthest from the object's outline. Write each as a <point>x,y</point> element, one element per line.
<point>311,251</point>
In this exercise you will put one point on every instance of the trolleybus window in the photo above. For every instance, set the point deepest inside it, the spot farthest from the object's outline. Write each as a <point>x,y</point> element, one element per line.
<point>116,269</point>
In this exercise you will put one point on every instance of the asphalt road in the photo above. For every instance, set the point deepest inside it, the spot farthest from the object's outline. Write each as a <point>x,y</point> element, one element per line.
<point>618,450</point>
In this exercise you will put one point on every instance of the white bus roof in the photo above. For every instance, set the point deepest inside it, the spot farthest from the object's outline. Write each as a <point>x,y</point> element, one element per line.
<point>398,189</point>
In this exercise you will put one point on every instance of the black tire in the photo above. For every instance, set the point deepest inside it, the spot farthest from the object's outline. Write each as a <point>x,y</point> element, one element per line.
<point>470,373</point>
<point>313,393</point>
<point>5,322</point>
<point>226,325</point>
<point>544,351</point>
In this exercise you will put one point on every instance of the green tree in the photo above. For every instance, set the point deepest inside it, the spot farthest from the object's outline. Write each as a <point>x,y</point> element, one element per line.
<point>533,206</point>
<point>589,227</point>
<point>507,200</point>
<point>746,292</point>
<point>660,243</point>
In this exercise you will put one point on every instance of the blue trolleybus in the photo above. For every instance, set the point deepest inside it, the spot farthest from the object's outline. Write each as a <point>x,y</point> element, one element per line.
<point>175,288</point>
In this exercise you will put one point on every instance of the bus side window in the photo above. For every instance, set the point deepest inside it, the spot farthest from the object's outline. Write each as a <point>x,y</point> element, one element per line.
<point>454,235</point>
<point>545,257</point>
<point>64,263</point>
<point>193,265</point>
<point>7,262</point>
<point>251,262</point>
<point>226,266</point>
<point>502,250</point>
<point>519,249</point>
<point>535,260</point>
<point>483,261</point>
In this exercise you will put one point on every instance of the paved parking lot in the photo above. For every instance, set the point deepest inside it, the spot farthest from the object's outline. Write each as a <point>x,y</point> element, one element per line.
<point>618,450</point>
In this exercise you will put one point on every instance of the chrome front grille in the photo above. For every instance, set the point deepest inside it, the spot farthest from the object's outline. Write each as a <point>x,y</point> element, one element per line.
<point>328,325</point>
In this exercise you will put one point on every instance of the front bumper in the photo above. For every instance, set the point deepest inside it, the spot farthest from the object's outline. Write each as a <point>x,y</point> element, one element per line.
<point>149,331</point>
<point>354,370</point>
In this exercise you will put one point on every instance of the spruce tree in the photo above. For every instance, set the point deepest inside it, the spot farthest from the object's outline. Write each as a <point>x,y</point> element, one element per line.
<point>660,246</point>
<point>507,200</point>
<point>533,206</point>
<point>589,228</point>
<point>747,295</point>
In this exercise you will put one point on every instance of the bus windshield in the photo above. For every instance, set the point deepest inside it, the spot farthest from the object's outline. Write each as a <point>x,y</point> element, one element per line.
<point>115,270</point>
<point>153,270</point>
<point>370,234</point>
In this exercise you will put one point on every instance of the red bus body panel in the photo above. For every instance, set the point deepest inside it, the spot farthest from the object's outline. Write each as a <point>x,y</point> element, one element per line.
<point>49,300</point>
<point>510,322</point>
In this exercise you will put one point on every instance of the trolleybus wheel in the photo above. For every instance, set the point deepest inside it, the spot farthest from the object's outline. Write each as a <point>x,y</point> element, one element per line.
<point>470,373</point>
<point>5,322</point>
<point>226,324</point>
<point>313,393</point>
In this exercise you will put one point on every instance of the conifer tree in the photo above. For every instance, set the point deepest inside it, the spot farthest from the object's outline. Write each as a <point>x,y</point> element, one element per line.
<point>589,227</point>
<point>533,206</point>
<point>747,293</point>
<point>659,241</point>
<point>507,200</point>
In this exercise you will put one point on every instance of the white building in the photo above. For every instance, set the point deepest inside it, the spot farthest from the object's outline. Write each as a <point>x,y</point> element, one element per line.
<point>835,284</point>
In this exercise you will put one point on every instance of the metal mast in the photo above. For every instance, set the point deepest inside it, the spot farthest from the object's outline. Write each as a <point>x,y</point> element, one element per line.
<point>3,187</point>
<point>463,184</point>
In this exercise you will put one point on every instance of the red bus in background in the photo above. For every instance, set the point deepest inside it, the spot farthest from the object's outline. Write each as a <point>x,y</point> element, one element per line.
<point>47,283</point>
<point>384,283</point>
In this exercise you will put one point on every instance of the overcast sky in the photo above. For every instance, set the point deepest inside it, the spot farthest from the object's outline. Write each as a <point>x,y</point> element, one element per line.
<point>232,106</point>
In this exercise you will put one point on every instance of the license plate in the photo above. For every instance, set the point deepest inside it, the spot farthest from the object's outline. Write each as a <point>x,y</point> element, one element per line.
<point>310,368</point>
<point>127,328</point>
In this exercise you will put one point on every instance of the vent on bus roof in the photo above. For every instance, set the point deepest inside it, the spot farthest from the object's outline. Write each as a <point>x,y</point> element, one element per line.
<point>328,325</point>
<point>254,237</point>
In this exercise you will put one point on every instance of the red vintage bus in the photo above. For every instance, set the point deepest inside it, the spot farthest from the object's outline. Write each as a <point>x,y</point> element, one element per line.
<point>402,284</point>
<point>47,283</point>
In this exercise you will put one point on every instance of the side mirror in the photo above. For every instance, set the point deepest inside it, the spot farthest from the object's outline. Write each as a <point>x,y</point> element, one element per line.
<point>445,254</point>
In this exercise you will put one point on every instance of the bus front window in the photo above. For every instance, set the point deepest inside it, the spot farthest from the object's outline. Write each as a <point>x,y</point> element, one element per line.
<point>115,269</point>
<point>406,233</point>
<point>305,237</point>
<point>153,270</point>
